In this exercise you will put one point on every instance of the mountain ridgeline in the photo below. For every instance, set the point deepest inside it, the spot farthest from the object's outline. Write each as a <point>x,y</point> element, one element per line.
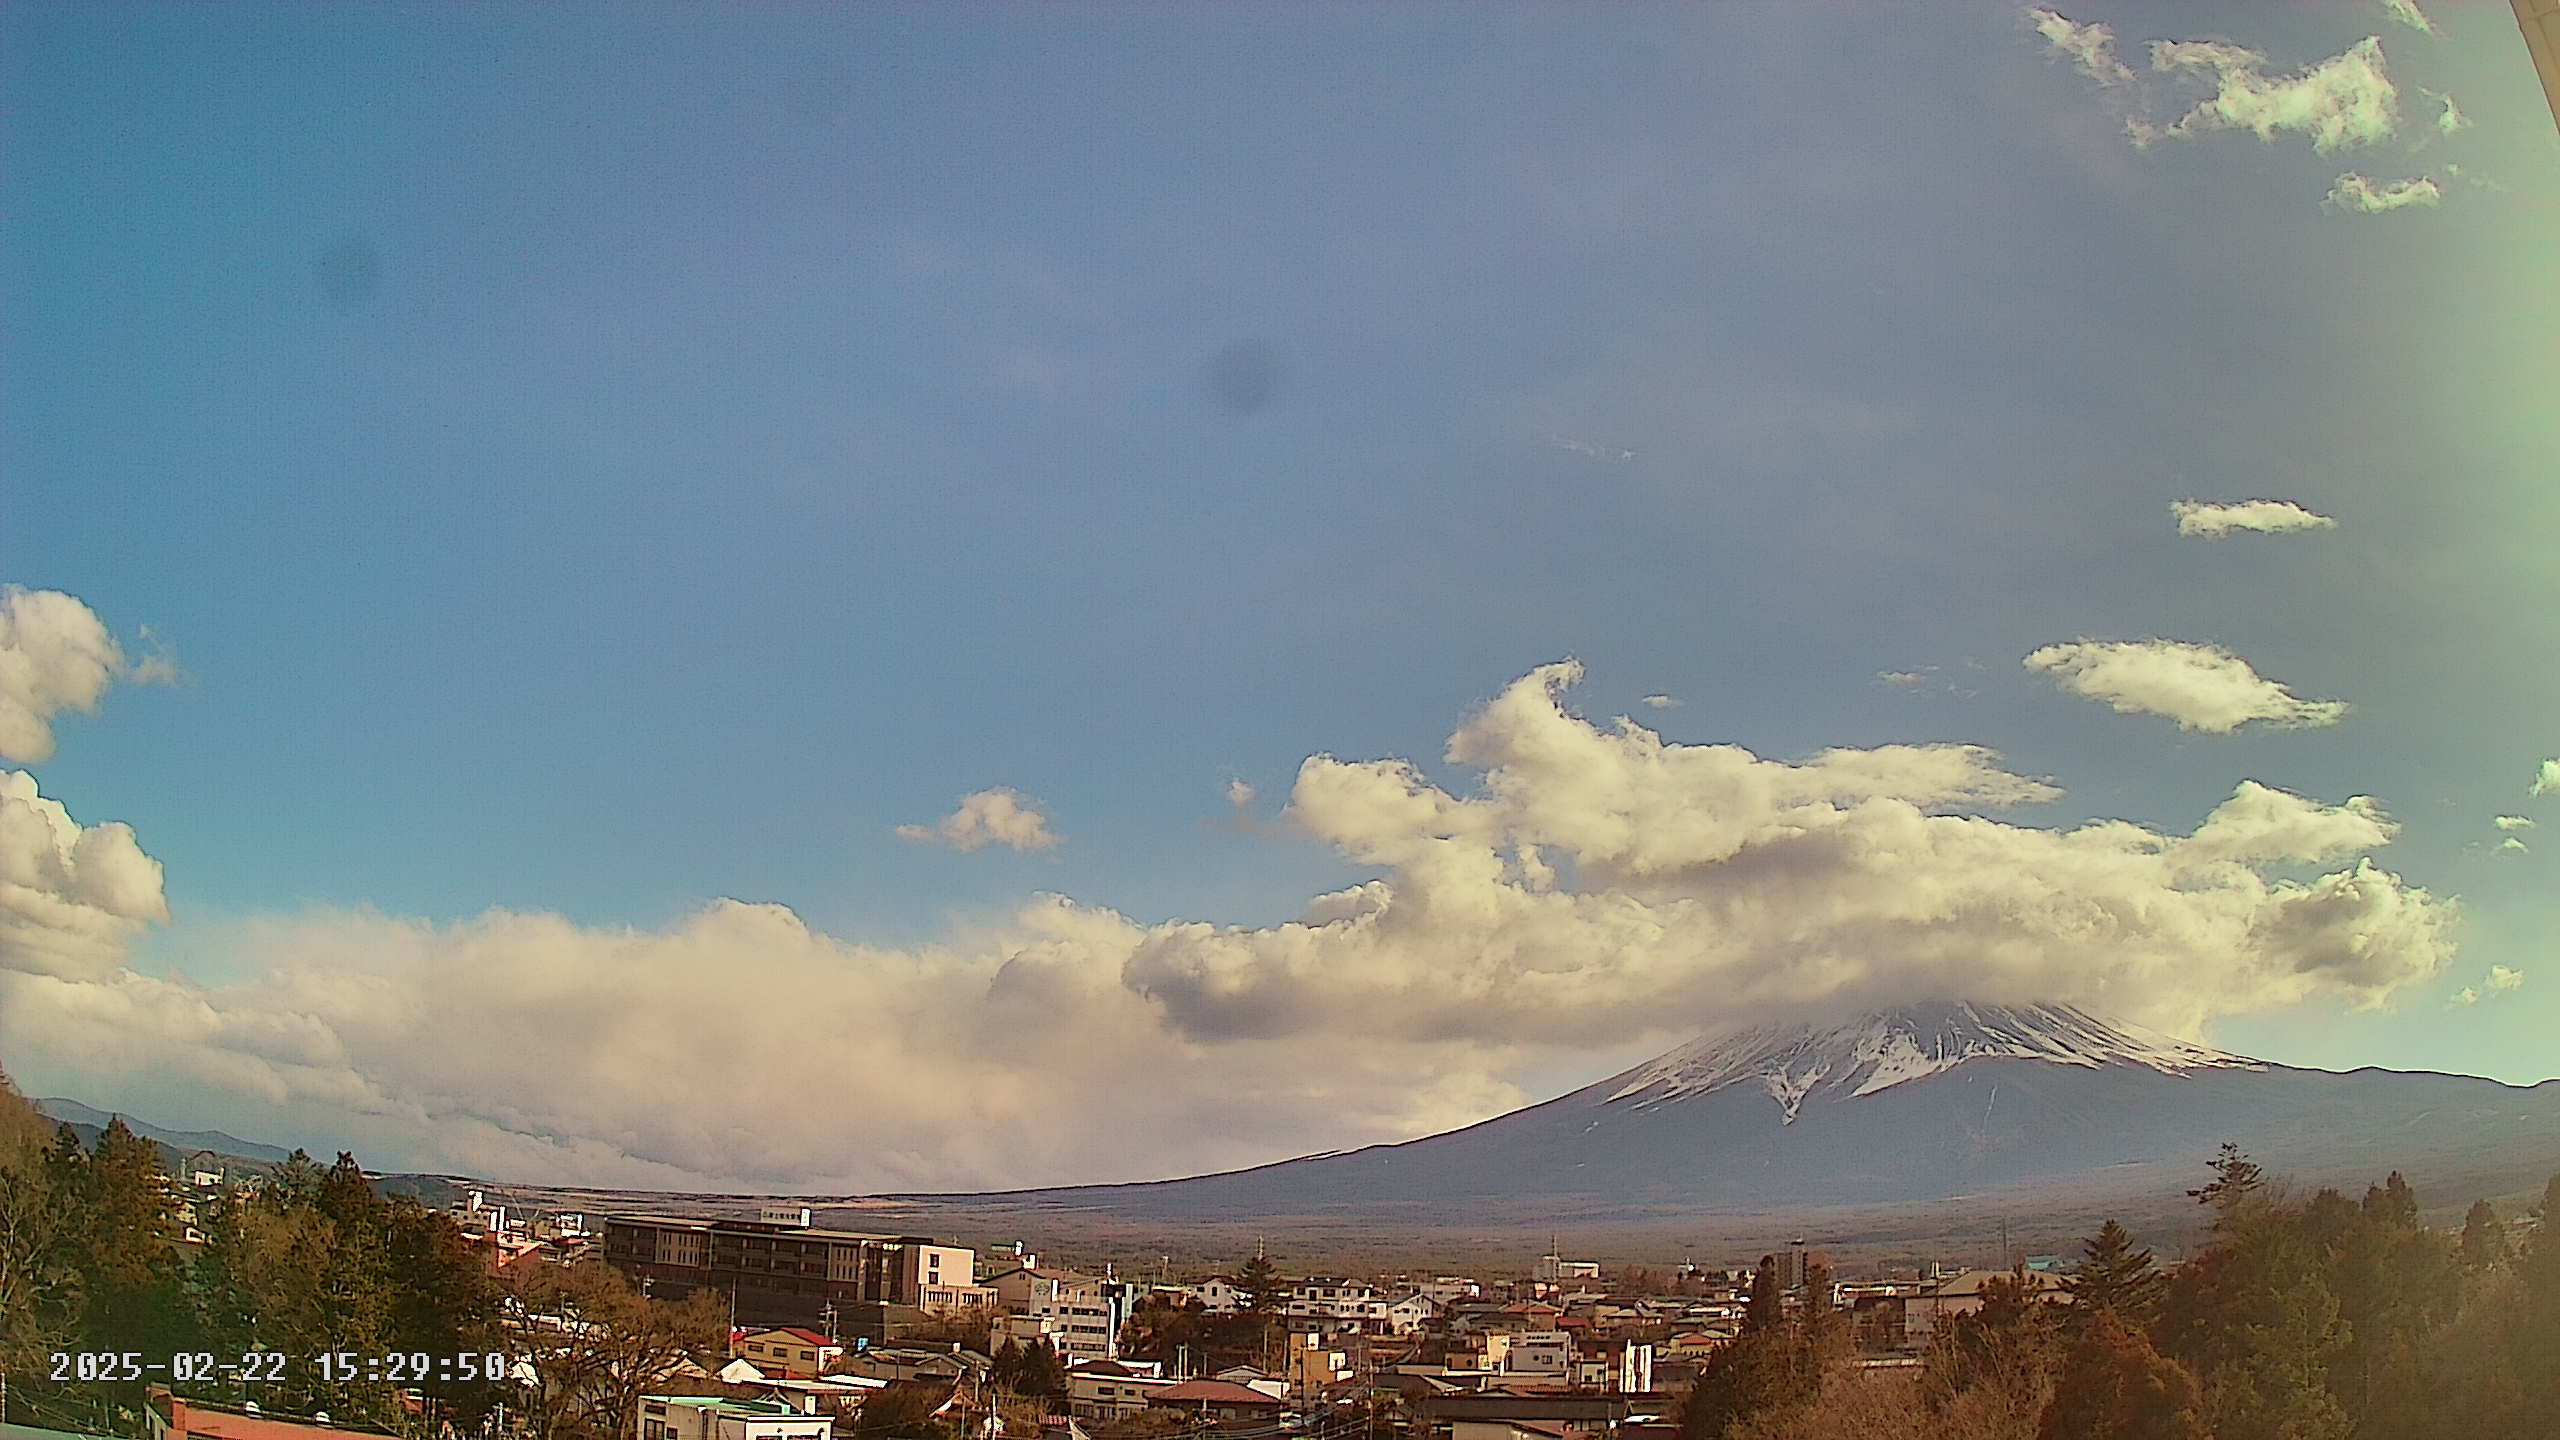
<point>1921,1104</point>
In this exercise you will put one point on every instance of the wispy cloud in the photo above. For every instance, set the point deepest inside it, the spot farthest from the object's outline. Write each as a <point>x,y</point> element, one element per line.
<point>2093,47</point>
<point>2499,981</point>
<point>990,817</point>
<point>2355,194</point>
<point>2450,118</point>
<point>1592,449</point>
<point>1239,794</point>
<point>1662,702</point>
<point>2408,13</point>
<point>1906,679</point>
<point>2215,519</point>
<point>2201,687</point>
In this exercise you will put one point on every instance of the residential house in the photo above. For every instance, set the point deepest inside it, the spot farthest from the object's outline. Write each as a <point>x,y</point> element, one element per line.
<point>1217,1400</point>
<point>1312,1365</point>
<point>1409,1312</point>
<point>1961,1294</point>
<point>792,1352</point>
<point>702,1417</point>
<point>1255,1378</point>
<point>1513,1430</point>
<point>174,1418</point>
<point>1108,1390</point>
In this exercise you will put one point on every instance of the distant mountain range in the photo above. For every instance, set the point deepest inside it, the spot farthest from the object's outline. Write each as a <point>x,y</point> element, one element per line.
<point>175,1144</point>
<point>1914,1127</point>
<point>1899,1108</point>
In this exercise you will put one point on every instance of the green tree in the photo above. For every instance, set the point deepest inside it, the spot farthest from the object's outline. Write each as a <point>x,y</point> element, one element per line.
<point>129,1255</point>
<point>2392,1203</point>
<point>2236,1181</point>
<point>2255,1318</point>
<point>1005,1367</point>
<point>1760,1370</point>
<point>1258,1284</point>
<point>2484,1244</point>
<point>2114,1386</point>
<point>2114,1275</point>
<point>2536,1335</point>
<point>1043,1371</point>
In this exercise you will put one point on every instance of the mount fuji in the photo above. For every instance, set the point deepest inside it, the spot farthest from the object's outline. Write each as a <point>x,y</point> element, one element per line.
<point>1896,1108</point>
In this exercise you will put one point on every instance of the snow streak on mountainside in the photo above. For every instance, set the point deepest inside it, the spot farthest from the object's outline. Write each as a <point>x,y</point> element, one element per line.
<point>1794,1063</point>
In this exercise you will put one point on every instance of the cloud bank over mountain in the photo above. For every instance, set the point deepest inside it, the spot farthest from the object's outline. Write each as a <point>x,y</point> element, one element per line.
<point>1595,885</point>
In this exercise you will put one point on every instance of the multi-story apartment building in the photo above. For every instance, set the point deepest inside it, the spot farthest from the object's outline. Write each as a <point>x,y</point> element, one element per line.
<point>1078,1314</point>
<point>781,1270</point>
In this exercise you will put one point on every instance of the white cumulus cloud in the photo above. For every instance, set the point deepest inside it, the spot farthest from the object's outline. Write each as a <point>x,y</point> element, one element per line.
<point>2344,101</point>
<point>2503,978</point>
<point>2355,193</point>
<point>2546,781</point>
<point>72,897</point>
<point>1593,887</point>
<point>56,655</point>
<point>2201,687</point>
<point>2213,519</point>
<point>2513,846</point>
<point>2513,822</point>
<point>1239,794</point>
<point>990,817</point>
<point>1661,702</point>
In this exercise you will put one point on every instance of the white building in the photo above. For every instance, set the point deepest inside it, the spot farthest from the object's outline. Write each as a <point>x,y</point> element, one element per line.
<point>1344,1301</point>
<point>1108,1390</point>
<point>1555,1269</point>
<point>1079,1315</point>
<point>680,1417</point>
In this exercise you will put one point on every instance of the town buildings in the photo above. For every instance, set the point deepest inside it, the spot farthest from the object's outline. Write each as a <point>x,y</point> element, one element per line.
<point>778,1269</point>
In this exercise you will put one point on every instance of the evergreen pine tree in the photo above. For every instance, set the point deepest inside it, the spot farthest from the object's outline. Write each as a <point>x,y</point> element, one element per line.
<point>2115,1276</point>
<point>1758,1370</point>
<point>1766,1309</point>
<point>1822,1329</point>
<point>130,1260</point>
<point>2114,1386</point>
<point>2392,1203</point>
<point>1043,1371</point>
<point>2484,1238</point>
<point>1258,1283</point>
<point>2236,1178</point>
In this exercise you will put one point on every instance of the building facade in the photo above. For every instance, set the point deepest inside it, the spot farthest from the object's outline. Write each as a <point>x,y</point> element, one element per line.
<point>776,1272</point>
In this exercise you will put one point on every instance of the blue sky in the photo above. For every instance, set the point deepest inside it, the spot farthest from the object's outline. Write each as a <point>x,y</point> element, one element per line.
<point>593,462</point>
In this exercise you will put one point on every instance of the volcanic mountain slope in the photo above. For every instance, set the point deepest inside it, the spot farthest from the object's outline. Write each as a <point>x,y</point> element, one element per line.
<point>1906,1106</point>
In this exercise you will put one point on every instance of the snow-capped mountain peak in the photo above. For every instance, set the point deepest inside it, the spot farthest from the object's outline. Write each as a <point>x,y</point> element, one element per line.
<point>1794,1062</point>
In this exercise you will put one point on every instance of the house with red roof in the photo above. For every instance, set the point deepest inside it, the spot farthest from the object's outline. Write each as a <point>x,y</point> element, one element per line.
<point>789,1352</point>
